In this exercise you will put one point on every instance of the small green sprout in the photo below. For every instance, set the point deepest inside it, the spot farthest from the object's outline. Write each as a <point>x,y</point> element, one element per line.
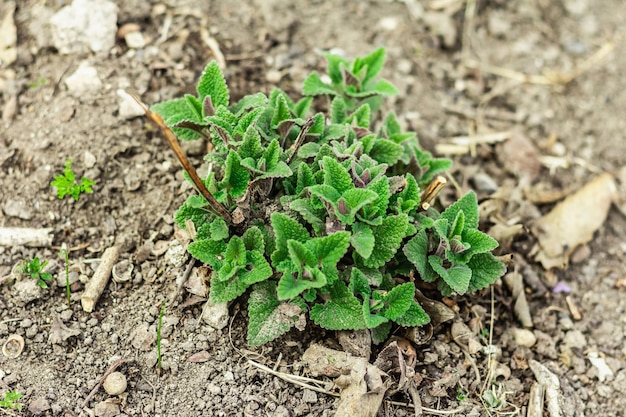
<point>66,183</point>
<point>11,401</point>
<point>158,341</point>
<point>38,83</point>
<point>34,270</point>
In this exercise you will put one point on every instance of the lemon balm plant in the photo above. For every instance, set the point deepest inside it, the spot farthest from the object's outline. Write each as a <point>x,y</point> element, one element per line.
<point>321,215</point>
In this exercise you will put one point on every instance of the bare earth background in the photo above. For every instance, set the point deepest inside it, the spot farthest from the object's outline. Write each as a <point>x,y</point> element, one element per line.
<point>267,43</point>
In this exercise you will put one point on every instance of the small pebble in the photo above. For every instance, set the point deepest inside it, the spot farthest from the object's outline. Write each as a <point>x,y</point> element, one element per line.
<point>229,376</point>
<point>84,81</point>
<point>115,383</point>
<point>39,406</point>
<point>17,208</point>
<point>135,40</point>
<point>524,337</point>
<point>575,339</point>
<point>106,409</point>
<point>309,396</point>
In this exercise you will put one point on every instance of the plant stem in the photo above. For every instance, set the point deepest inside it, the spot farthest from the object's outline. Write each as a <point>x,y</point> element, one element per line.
<point>182,158</point>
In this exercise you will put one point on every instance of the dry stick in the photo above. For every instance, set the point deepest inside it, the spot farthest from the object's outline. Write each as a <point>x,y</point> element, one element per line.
<point>303,131</point>
<point>25,236</point>
<point>431,192</point>
<point>111,369</point>
<point>185,277</point>
<point>182,158</point>
<point>100,278</point>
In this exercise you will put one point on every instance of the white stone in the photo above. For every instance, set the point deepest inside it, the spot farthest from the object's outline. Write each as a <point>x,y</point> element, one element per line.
<point>115,383</point>
<point>129,108</point>
<point>135,40</point>
<point>85,25</point>
<point>84,81</point>
<point>216,315</point>
<point>524,337</point>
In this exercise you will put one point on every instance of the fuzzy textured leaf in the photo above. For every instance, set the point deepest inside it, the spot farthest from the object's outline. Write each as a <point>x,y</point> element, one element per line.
<point>388,238</point>
<point>341,312</point>
<point>286,228</point>
<point>212,83</point>
<point>269,317</point>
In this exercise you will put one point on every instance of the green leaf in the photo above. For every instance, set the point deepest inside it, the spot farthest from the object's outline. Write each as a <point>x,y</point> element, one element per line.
<point>251,146</point>
<point>469,205</point>
<point>383,87</point>
<point>398,300</point>
<point>325,192</point>
<point>479,243</point>
<point>281,112</point>
<point>361,116</point>
<point>212,84</point>
<point>380,187</point>
<point>219,229</point>
<point>208,251</point>
<point>329,249</point>
<point>381,333</point>
<point>359,284</point>
<point>334,67</point>
<point>301,108</point>
<point>486,269</point>
<point>457,277</point>
<point>308,212</point>
<point>248,102</point>
<point>336,175</point>
<point>373,62</point>
<point>416,251</point>
<point>272,155</point>
<point>299,254</point>
<point>414,316</point>
<point>341,312</point>
<point>372,320</point>
<point>352,201</point>
<point>391,124</point>
<point>253,239</point>
<point>388,238</point>
<point>338,110</point>
<point>246,121</point>
<point>294,282</point>
<point>308,150</point>
<point>236,176</point>
<point>362,239</point>
<point>386,152</point>
<point>314,86</point>
<point>257,269</point>
<point>305,178</point>
<point>196,215</point>
<point>176,111</point>
<point>236,251</point>
<point>286,228</point>
<point>280,170</point>
<point>270,318</point>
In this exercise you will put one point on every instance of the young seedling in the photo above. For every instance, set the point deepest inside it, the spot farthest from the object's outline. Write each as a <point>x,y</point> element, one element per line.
<point>34,269</point>
<point>330,216</point>
<point>158,340</point>
<point>66,183</point>
<point>63,253</point>
<point>11,401</point>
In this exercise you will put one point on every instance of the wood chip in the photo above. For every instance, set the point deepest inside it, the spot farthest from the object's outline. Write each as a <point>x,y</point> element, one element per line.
<point>100,278</point>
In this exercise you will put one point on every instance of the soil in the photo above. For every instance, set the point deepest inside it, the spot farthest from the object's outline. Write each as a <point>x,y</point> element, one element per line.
<point>267,43</point>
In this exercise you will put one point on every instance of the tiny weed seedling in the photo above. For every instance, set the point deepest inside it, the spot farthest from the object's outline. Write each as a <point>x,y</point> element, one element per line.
<point>66,183</point>
<point>63,253</point>
<point>158,341</point>
<point>38,83</point>
<point>325,215</point>
<point>11,401</point>
<point>34,269</point>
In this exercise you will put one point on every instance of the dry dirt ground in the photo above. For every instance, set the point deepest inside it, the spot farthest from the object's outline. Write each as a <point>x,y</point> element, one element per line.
<point>458,75</point>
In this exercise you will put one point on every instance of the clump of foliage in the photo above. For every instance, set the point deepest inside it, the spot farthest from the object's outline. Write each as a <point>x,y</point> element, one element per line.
<point>66,183</point>
<point>11,401</point>
<point>34,269</point>
<point>326,213</point>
